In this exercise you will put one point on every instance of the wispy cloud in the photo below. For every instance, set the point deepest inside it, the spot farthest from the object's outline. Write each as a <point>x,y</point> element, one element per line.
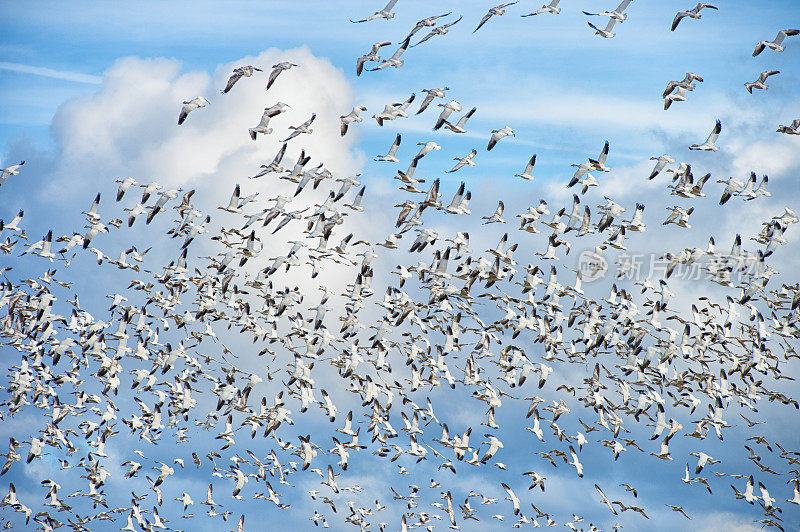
<point>77,77</point>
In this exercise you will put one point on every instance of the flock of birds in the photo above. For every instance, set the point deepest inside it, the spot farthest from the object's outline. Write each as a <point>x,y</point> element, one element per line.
<point>521,340</point>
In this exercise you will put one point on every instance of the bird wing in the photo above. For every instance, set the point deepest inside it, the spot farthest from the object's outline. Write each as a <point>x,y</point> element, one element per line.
<point>762,187</point>
<point>531,163</point>
<point>232,81</point>
<point>402,48</point>
<point>395,145</point>
<point>604,153</point>
<point>623,5</point>
<point>279,155</point>
<point>360,65</point>
<point>670,87</point>
<point>378,45</point>
<point>486,17</point>
<point>461,123</point>
<point>445,26</point>
<point>428,99</point>
<point>586,222</point>
<point>660,164</point>
<point>712,138</point>
<point>290,137</point>
<point>405,104</point>
<point>459,165</point>
<point>672,217</point>
<point>726,195</point>
<point>273,76</point>
<point>433,193</point>
<point>428,36</point>
<point>602,495</point>
<point>781,36</point>
<point>390,5</point>
<point>699,186</point>
<point>764,75</point>
<point>677,20</point>
<point>309,121</point>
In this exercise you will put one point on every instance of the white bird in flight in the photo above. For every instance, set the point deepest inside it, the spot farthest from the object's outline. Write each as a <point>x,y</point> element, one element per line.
<point>606,33</point>
<point>618,14</point>
<point>528,169</point>
<point>263,125</point>
<point>760,83</point>
<point>552,7</point>
<point>276,71</point>
<point>709,144</point>
<point>431,94</point>
<point>238,73</point>
<point>395,60</point>
<point>9,171</point>
<point>496,10</point>
<point>189,106</point>
<point>371,56</point>
<point>459,127</point>
<point>385,13</point>
<point>438,30</point>
<point>392,155</point>
<point>662,161</point>
<point>791,129</point>
<point>352,116</point>
<point>776,43</point>
<point>498,134</point>
<point>426,23</point>
<point>302,128</point>
<point>692,13</point>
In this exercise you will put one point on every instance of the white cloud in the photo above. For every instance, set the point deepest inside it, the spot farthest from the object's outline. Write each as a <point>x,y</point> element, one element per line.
<point>128,129</point>
<point>51,73</point>
<point>725,522</point>
<point>130,126</point>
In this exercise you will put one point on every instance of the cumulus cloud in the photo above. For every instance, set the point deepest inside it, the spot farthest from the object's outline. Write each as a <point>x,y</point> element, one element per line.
<point>128,128</point>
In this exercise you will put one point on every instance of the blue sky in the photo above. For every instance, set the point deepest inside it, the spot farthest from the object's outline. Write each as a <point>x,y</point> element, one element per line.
<point>90,94</point>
